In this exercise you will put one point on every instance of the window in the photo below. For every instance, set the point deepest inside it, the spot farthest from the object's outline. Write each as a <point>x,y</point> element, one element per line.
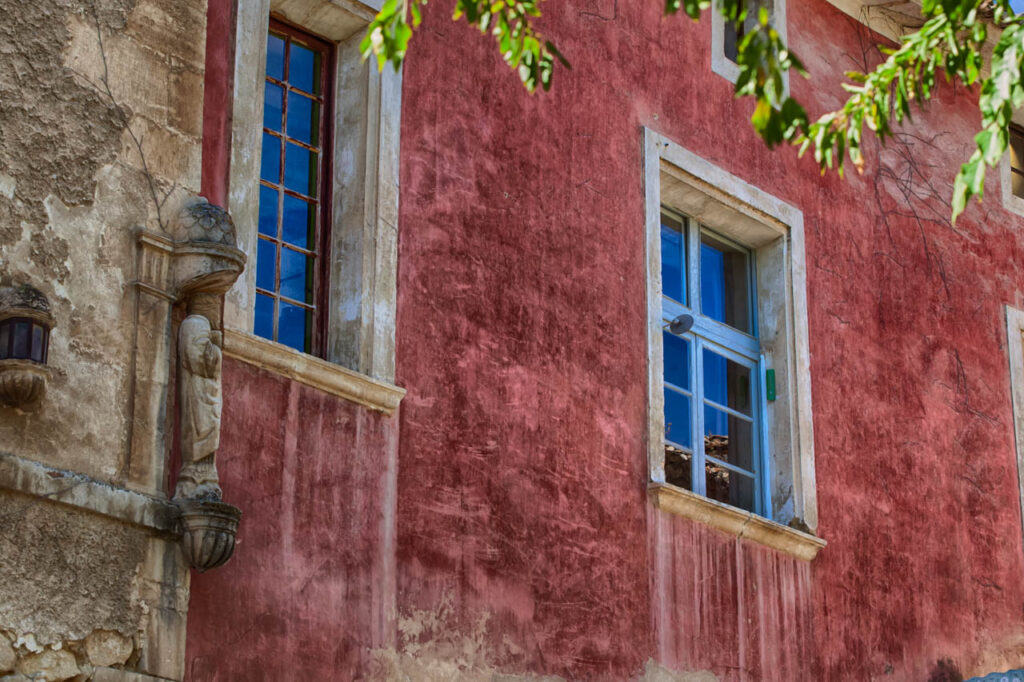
<point>293,225</point>
<point>727,321</point>
<point>313,183</point>
<point>726,35</point>
<point>1017,160</point>
<point>712,369</point>
<point>733,32</point>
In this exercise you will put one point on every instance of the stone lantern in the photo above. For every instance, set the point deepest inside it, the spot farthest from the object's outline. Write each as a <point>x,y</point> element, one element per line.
<point>25,324</point>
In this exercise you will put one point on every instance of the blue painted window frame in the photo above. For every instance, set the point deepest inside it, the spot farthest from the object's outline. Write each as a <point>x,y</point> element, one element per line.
<point>729,342</point>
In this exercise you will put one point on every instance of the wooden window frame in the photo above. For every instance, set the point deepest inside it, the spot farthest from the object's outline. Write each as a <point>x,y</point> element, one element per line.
<point>324,202</point>
<point>726,341</point>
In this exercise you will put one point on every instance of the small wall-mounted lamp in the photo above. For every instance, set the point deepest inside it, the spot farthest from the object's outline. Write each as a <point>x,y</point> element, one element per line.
<point>681,324</point>
<point>25,324</point>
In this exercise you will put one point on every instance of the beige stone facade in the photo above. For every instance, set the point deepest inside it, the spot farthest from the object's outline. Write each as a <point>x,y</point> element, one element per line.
<point>100,139</point>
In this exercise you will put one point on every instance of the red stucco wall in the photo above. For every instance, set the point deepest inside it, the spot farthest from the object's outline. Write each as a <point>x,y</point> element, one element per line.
<point>523,528</point>
<point>308,591</point>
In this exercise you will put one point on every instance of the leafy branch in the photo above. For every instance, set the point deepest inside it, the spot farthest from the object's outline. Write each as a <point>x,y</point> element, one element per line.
<point>509,21</point>
<point>951,43</point>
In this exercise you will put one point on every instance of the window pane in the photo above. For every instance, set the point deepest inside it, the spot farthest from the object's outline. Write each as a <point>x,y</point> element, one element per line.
<point>37,343</point>
<point>299,227</point>
<point>726,382</point>
<point>729,487</point>
<point>5,339</point>
<point>678,467</point>
<point>272,95</point>
<point>303,119</point>
<point>22,339</point>
<point>296,275</point>
<point>725,283</point>
<point>294,327</point>
<point>266,265</point>
<point>275,57</point>
<point>270,165</point>
<point>264,317</point>
<point>673,259</point>
<point>304,69</point>
<point>677,360</point>
<point>300,170</point>
<point>677,418</point>
<point>728,438</point>
<point>268,211</point>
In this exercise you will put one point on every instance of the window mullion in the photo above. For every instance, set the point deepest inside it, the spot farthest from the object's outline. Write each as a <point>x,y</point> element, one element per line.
<point>697,479</point>
<point>693,264</point>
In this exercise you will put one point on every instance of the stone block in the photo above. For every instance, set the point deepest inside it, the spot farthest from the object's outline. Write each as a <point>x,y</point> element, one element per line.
<point>50,665</point>
<point>8,657</point>
<point>106,647</point>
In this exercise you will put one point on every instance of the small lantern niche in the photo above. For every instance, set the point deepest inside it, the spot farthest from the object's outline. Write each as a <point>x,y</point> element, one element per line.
<point>25,324</point>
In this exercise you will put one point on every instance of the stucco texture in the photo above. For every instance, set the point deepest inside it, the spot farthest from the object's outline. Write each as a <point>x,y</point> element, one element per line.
<point>524,541</point>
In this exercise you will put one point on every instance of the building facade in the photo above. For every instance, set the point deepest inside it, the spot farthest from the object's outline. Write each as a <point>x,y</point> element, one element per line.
<point>587,385</point>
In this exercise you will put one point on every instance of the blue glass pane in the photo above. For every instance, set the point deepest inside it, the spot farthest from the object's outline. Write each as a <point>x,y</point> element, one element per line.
<point>712,283</point>
<point>303,119</point>
<point>268,211</point>
<point>300,170</point>
<point>726,382</point>
<point>299,226</point>
<point>272,102</point>
<point>264,325</point>
<point>677,360</point>
<point>725,283</point>
<point>295,326</point>
<point>266,257</point>
<point>673,281</point>
<point>296,276</point>
<point>304,69</point>
<point>729,487</point>
<point>270,165</point>
<point>728,438</point>
<point>275,57</point>
<point>677,418</point>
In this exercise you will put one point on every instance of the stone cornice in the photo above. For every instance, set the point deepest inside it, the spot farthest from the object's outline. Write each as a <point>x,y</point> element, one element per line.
<point>314,372</point>
<point>84,492</point>
<point>733,521</point>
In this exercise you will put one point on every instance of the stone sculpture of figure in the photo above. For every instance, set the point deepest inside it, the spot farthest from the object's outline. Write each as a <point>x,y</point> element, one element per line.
<point>199,378</point>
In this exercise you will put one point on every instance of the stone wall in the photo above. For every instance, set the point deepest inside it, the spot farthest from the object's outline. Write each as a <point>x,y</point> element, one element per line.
<point>100,128</point>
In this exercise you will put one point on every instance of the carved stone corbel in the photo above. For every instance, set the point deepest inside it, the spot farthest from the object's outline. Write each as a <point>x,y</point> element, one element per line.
<point>197,266</point>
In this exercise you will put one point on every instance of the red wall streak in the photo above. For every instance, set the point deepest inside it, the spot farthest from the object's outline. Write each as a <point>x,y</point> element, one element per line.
<point>217,100</point>
<point>307,593</point>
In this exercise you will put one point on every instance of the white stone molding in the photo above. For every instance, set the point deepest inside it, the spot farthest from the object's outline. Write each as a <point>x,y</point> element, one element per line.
<point>314,372</point>
<point>774,230</point>
<point>1015,351</point>
<point>735,522</point>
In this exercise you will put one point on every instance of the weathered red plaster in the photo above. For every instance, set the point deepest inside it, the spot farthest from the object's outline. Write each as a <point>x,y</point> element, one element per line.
<point>521,442</point>
<point>307,592</point>
<point>217,100</point>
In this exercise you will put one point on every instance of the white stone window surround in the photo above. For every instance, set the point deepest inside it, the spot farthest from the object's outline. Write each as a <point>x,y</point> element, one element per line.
<point>1015,351</point>
<point>1011,202</point>
<point>364,231</point>
<point>727,68</point>
<point>681,180</point>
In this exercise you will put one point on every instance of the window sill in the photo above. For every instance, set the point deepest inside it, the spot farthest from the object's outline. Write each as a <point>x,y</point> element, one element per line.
<point>735,522</point>
<point>314,372</point>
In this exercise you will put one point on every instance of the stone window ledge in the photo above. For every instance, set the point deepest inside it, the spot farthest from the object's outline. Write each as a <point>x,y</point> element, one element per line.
<point>312,371</point>
<point>733,521</point>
